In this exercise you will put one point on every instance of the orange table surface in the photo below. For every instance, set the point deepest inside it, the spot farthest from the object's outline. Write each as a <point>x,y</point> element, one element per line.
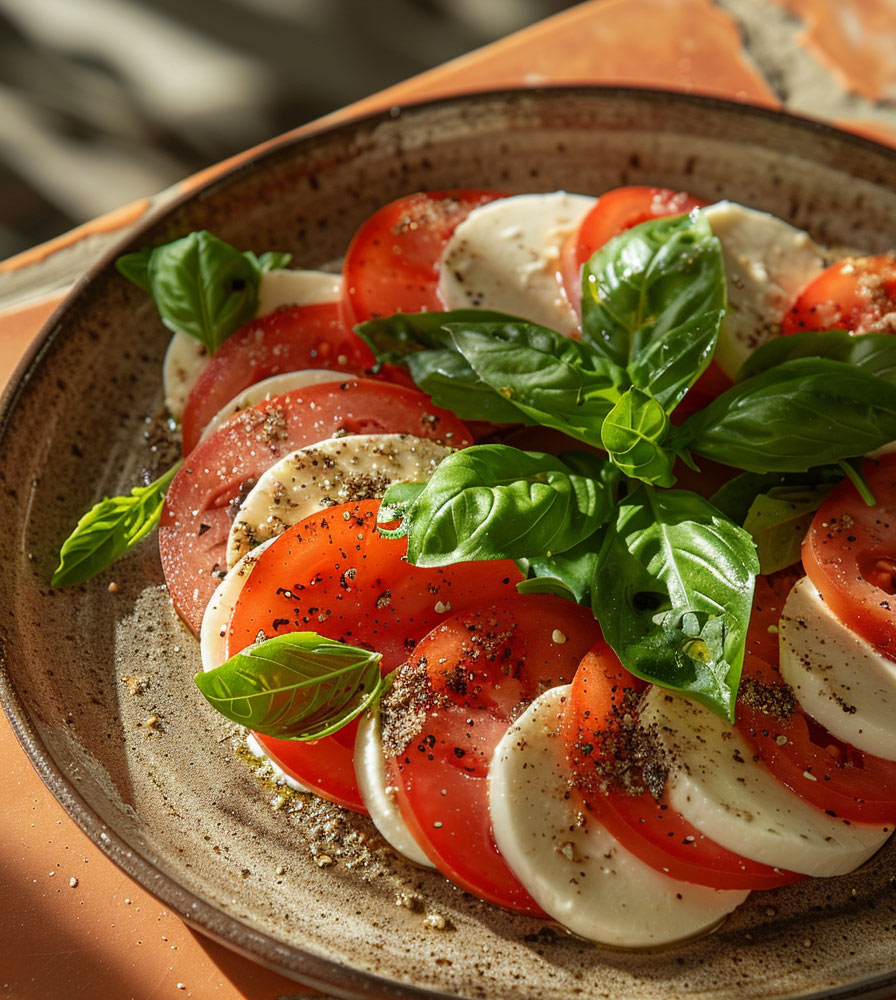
<point>73,925</point>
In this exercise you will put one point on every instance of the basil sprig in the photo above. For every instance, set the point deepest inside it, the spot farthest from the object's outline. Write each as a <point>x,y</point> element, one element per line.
<point>873,352</point>
<point>673,593</point>
<point>201,285</point>
<point>298,686</point>
<point>109,529</point>
<point>496,502</point>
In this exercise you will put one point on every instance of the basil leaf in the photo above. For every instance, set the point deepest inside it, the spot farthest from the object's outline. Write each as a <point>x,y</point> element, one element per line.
<point>633,432</point>
<point>395,338</point>
<point>135,266</point>
<point>109,529</point>
<point>298,686</point>
<point>873,352</point>
<point>673,594</point>
<point>401,497</point>
<point>657,277</point>
<point>567,574</point>
<point>496,502</point>
<point>737,495</point>
<point>555,381</point>
<point>271,260</point>
<point>802,413</point>
<point>778,522</point>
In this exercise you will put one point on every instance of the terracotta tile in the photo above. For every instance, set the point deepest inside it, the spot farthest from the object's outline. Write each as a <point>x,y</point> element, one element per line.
<point>855,39</point>
<point>18,328</point>
<point>878,131</point>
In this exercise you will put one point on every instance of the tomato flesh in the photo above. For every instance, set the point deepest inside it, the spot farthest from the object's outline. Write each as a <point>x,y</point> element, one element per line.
<point>392,263</point>
<point>848,549</point>
<point>479,669</point>
<point>333,573</point>
<point>603,702</point>
<point>856,294</point>
<point>198,509</point>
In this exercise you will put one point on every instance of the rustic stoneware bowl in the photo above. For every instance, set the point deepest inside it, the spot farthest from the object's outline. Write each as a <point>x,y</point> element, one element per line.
<point>300,885</point>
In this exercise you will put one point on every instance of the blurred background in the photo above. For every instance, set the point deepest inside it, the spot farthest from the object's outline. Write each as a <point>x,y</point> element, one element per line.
<point>106,101</point>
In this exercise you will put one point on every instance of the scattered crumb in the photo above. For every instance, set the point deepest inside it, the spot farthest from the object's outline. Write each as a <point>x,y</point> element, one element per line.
<point>113,587</point>
<point>73,882</point>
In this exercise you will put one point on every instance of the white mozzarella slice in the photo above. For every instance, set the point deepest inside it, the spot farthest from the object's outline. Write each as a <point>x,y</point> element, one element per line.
<point>281,288</point>
<point>376,793</point>
<point>571,865</point>
<point>767,263</point>
<point>276,385</point>
<point>338,470</point>
<point>504,256</point>
<point>838,677</point>
<point>219,610</point>
<point>715,783</point>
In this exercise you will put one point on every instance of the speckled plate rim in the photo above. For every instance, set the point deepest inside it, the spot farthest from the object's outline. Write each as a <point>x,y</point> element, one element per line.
<point>308,969</point>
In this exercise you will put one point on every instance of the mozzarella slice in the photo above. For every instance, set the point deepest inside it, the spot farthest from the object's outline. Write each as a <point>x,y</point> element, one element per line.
<point>267,388</point>
<point>504,256</point>
<point>838,677</point>
<point>376,794</point>
<point>338,470</point>
<point>715,783</point>
<point>767,264</point>
<point>576,871</point>
<point>186,356</point>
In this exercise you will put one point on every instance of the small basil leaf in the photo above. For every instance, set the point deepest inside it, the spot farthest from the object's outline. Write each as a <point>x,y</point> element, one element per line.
<point>298,685</point>
<point>447,377</point>
<point>567,574</point>
<point>398,500</point>
<point>394,338</point>
<point>633,433</point>
<point>802,413</point>
<point>655,278</point>
<point>673,594</point>
<point>135,267</point>
<point>874,352</point>
<point>109,529</point>
<point>737,495</point>
<point>495,502</point>
<point>778,522</point>
<point>204,287</point>
<point>272,260</point>
<point>555,381</point>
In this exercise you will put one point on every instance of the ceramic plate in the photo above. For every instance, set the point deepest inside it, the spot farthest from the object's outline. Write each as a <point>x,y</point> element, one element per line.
<point>98,683</point>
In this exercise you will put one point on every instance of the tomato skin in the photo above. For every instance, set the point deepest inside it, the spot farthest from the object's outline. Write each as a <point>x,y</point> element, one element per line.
<point>602,696</point>
<point>769,596</point>
<point>314,336</point>
<point>392,262</point>
<point>195,521</point>
<point>333,573</point>
<point>848,554</point>
<point>480,668</point>
<point>856,294</point>
<point>800,753</point>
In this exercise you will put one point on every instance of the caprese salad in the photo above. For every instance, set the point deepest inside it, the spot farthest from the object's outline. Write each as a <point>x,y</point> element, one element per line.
<point>544,534</point>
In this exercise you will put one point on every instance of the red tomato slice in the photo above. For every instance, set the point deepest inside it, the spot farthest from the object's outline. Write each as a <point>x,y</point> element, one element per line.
<point>803,755</point>
<point>850,555</point>
<point>314,336</point>
<point>200,503</point>
<point>856,294</point>
<point>769,596</point>
<point>333,573</point>
<point>392,263</point>
<point>471,676</point>
<point>602,702</point>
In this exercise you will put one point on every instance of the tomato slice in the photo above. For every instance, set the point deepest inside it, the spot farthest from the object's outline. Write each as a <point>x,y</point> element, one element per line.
<point>849,554</point>
<point>465,682</point>
<point>314,336</point>
<point>803,755</point>
<point>202,498</point>
<point>602,705</point>
<point>392,263</point>
<point>769,596</point>
<point>334,574</point>
<point>856,294</point>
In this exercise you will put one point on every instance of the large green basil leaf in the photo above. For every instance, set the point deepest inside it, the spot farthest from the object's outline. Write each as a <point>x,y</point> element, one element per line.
<point>298,686</point>
<point>496,502</point>
<point>633,433</point>
<point>567,574</point>
<point>393,339</point>
<point>778,521</point>
<point>557,382</point>
<point>109,529</point>
<point>874,352</point>
<point>673,594</point>
<point>650,285</point>
<point>735,498</point>
<point>802,413</point>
